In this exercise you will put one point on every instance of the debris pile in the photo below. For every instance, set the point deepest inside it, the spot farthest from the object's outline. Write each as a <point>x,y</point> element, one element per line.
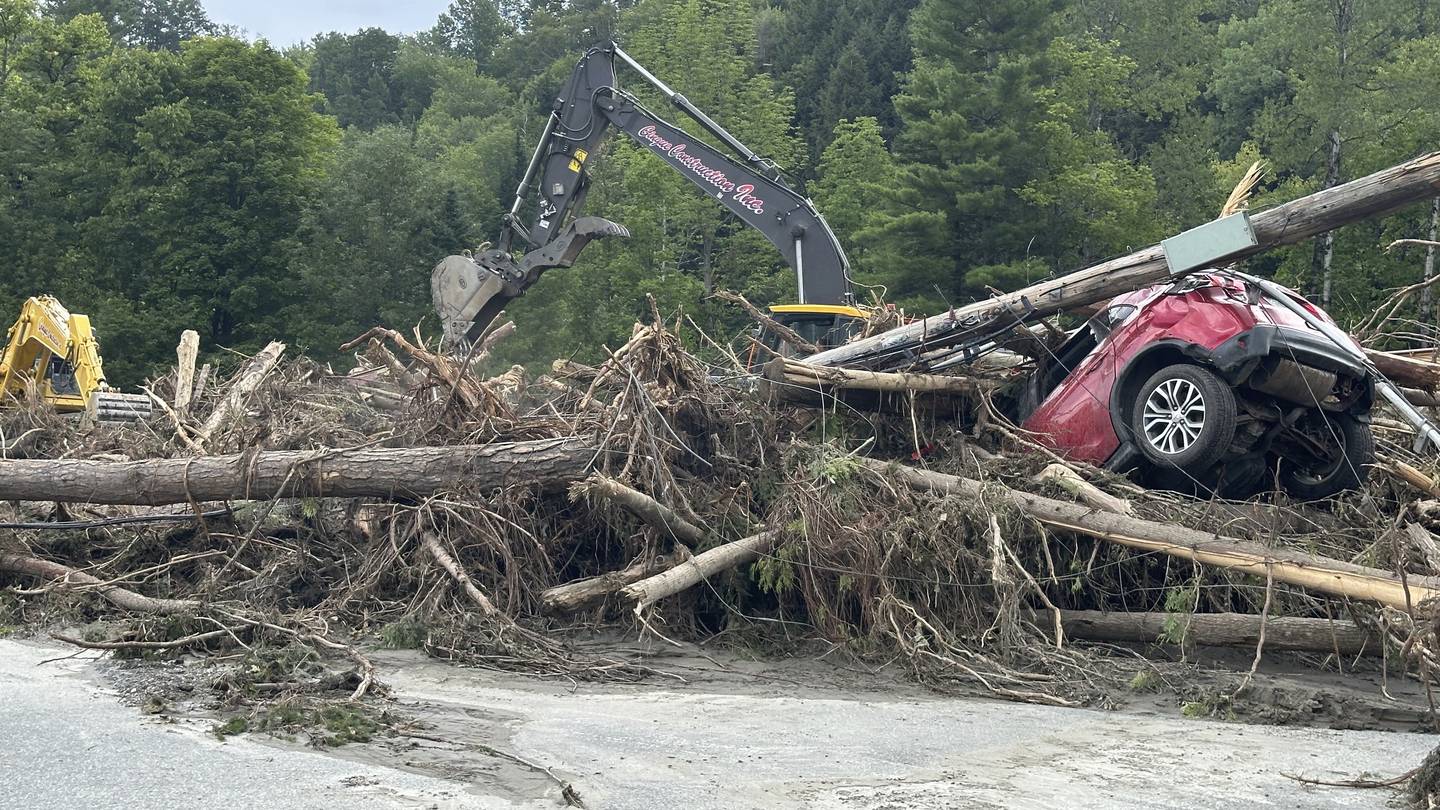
<point>490,516</point>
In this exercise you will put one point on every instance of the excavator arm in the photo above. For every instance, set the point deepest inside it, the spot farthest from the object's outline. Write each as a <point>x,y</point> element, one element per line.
<point>469,291</point>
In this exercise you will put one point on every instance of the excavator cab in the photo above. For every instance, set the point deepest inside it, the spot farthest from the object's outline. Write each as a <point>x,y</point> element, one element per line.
<point>825,325</point>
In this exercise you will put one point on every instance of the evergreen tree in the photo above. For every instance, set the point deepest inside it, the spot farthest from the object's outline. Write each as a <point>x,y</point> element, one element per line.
<point>843,58</point>
<point>1006,174</point>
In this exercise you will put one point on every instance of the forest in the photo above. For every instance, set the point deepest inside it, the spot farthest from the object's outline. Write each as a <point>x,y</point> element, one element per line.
<point>161,172</point>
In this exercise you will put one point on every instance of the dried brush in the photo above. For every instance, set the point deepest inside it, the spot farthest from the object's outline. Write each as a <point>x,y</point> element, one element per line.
<point>1239,198</point>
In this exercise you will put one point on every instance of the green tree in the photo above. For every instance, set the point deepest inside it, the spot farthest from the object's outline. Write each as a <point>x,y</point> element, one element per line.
<point>366,247</point>
<point>207,159</point>
<point>842,58</point>
<point>357,75</point>
<point>855,170</point>
<point>1006,172</point>
<point>1321,58</point>
<point>45,193</point>
<point>152,24</point>
<point>471,29</point>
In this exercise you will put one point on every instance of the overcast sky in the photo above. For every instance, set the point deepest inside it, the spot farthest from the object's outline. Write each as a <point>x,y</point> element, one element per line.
<point>286,22</point>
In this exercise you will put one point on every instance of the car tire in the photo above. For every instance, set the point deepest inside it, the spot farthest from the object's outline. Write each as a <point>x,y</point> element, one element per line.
<point>1349,469</point>
<point>1184,419</point>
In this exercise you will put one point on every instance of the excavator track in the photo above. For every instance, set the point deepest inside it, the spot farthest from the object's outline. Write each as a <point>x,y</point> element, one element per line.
<point>113,406</point>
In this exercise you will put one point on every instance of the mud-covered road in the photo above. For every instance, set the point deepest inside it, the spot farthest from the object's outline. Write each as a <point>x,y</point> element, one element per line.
<point>67,741</point>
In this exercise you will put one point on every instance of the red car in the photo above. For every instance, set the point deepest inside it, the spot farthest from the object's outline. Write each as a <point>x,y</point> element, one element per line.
<point>1207,384</point>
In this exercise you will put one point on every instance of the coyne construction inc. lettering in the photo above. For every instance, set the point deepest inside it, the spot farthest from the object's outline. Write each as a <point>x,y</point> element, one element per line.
<point>742,193</point>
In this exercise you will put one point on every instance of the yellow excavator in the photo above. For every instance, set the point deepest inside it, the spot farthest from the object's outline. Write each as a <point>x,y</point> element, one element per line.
<point>55,352</point>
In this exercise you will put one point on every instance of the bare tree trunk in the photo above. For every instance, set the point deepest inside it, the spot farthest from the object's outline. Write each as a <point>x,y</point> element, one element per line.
<point>185,355</point>
<point>1427,295</point>
<point>240,390</point>
<point>127,599</point>
<point>1224,630</point>
<point>643,506</point>
<point>582,593</point>
<point>379,472</point>
<point>707,262</point>
<point>1325,246</point>
<point>699,568</point>
<point>1286,565</point>
<point>1409,371</point>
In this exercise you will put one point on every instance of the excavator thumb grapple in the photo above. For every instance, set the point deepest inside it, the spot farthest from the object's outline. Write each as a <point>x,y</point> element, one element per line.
<point>114,406</point>
<point>470,291</point>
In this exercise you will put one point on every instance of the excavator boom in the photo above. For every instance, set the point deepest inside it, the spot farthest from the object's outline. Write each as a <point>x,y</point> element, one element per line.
<point>469,291</point>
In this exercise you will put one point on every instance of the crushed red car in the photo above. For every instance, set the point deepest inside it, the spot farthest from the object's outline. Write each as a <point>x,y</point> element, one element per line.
<point>1208,384</point>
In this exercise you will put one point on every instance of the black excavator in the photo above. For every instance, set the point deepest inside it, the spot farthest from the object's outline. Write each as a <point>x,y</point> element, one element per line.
<point>469,291</point>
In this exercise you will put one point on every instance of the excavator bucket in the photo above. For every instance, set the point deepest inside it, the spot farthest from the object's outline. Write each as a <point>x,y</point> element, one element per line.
<point>466,297</point>
<point>469,292</point>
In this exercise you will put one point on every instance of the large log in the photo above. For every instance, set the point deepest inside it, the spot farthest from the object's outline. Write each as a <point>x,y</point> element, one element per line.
<point>824,386</point>
<point>582,593</point>
<point>1374,195</point>
<point>824,378</point>
<point>1224,630</point>
<point>699,568</point>
<point>379,472</point>
<point>643,506</point>
<point>1409,371</point>
<point>1286,565</point>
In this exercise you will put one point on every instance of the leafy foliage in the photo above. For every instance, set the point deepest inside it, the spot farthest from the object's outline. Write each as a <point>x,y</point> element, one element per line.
<point>161,175</point>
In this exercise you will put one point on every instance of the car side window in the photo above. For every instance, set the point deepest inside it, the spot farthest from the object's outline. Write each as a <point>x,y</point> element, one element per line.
<point>1105,322</point>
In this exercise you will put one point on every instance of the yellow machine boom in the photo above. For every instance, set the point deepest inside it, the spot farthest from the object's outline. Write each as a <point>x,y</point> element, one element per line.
<point>57,353</point>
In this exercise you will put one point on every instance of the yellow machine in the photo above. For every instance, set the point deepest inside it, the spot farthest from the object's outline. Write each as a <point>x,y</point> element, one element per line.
<point>56,352</point>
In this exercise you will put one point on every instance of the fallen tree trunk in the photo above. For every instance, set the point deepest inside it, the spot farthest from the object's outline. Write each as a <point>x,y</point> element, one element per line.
<point>583,593</point>
<point>1407,371</point>
<point>643,506</point>
<point>1374,195</point>
<point>66,577</point>
<point>822,386</point>
<point>240,390</point>
<point>380,472</point>
<point>1224,630</point>
<point>699,568</point>
<point>457,572</point>
<point>1334,577</point>
<point>1416,396</point>
<point>825,378</point>
<point>1069,480</point>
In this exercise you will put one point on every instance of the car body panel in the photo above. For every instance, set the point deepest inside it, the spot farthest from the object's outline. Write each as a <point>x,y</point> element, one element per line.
<point>1212,318</point>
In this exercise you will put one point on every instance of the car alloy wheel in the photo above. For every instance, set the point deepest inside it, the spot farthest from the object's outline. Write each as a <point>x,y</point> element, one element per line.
<point>1173,416</point>
<point>1184,420</point>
